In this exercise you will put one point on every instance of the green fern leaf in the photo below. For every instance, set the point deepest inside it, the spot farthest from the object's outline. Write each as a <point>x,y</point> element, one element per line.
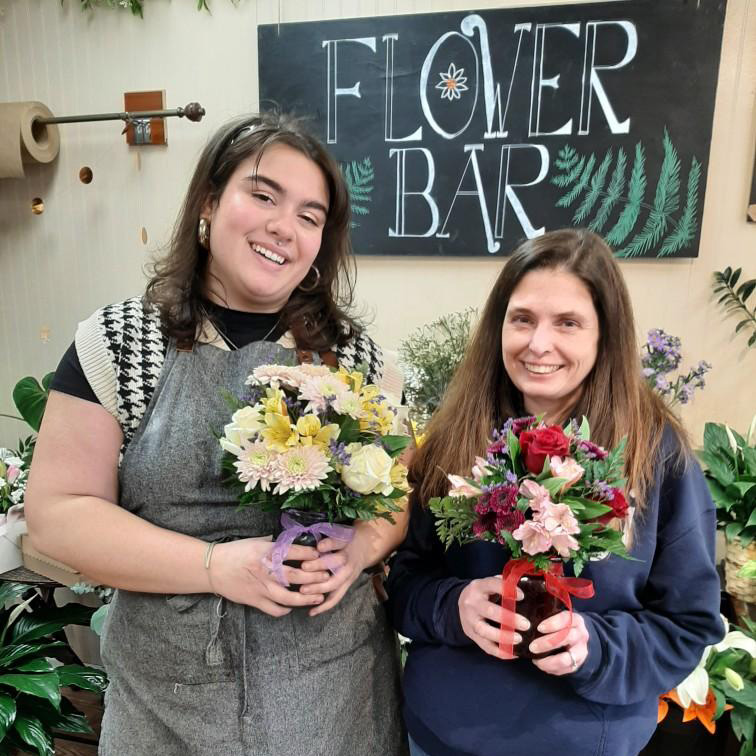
<point>566,179</point>
<point>666,202</point>
<point>686,227</point>
<point>637,189</point>
<point>613,193</point>
<point>567,199</point>
<point>597,184</point>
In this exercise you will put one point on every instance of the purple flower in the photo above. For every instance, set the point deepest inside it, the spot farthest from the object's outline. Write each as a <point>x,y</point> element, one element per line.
<point>339,452</point>
<point>591,450</point>
<point>602,490</point>
<point>497,511</point>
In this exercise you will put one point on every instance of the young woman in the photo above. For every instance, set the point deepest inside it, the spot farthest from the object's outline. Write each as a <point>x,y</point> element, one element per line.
<point>557,339</point>
<point>206,652</point>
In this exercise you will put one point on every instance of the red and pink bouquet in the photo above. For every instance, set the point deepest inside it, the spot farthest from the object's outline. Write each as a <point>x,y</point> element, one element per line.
<point>548,494</point>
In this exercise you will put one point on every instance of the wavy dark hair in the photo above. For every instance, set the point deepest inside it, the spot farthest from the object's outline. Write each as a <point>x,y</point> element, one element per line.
<point>317,317</point>
<point>615,398</point>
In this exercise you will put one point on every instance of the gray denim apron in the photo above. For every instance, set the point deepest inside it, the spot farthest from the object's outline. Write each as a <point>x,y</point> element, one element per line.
<point>195,675</point>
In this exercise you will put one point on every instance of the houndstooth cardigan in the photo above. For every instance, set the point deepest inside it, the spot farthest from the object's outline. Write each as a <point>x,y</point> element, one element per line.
<point>121,349</point>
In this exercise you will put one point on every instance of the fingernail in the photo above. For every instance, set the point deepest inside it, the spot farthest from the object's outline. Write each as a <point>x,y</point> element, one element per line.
<point>516,638</point>
<point>522,624</point>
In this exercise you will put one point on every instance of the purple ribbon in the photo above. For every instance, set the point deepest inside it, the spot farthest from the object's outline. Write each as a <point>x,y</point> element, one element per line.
<point>291,530</point>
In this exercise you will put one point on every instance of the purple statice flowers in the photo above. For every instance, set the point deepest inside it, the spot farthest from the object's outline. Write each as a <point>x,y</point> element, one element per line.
<point>661,356</point>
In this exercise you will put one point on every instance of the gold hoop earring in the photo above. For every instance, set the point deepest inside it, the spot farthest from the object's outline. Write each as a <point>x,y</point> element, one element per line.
<point>203,233</point>
<point>315,283</point>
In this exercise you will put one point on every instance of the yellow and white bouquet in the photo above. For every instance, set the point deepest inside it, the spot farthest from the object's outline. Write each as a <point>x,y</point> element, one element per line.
<point>316,439</point>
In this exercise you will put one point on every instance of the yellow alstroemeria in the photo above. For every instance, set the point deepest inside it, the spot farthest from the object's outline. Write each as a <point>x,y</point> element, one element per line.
<point>378,417</point>
<point>274,402</point>
<point>279,434</point>
<point>353,380</point>
<point>399,476</point>
<point>311,431</point>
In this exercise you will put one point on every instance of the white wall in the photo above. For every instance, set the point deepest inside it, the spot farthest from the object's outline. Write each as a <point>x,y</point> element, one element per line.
<point>85,250</point>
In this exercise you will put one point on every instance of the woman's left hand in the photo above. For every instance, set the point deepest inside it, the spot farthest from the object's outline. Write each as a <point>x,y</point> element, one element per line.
<point>573,649</point>
<point>345,559</point>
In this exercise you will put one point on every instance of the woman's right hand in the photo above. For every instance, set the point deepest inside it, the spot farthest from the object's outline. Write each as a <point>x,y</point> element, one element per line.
<point>475,608</point>
<point>237,572</point>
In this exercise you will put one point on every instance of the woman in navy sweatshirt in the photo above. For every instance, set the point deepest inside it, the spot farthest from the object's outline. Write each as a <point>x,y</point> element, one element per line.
<point>556,338</point>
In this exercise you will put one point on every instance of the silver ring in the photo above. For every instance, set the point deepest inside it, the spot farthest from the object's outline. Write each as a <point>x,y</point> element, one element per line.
<point>572,659</point>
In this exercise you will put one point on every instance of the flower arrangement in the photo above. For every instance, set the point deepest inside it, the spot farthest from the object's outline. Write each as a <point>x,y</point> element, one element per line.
<point>548,495</point>
<point>542,492</point>
<point>315,439</point>
<point>729,462</point>
<point>724,680</point>
<point>13,473</point>
<point>661,355</point>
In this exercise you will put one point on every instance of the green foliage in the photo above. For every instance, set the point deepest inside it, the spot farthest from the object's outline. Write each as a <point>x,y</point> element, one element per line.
<point>430,355</point>
<point>662,233</point>
<point>734,300</point>
<point>454,519</point>
<point>135,6</point>
<point>359,177</point>
<point>729,462</point>
<point>31,702</point>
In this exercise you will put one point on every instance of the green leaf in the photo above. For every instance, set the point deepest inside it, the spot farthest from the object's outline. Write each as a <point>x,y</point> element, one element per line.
<point>732,531</point>
<point>553,485</point>
<point>588,509</point>
<point>33,732</point>
<point>743,720</point>
<point>98,619</point>
<point>747,696</point>
<point>30,399</point>
<point>718,467</point>
<point>86,678</point>
<point>43,686</point>
<point>585,429</point>
<point>44,623</point>
<point>10,654</point>
<point>11,591</point>
<point>350,430</point>
<point>395,445</point>
<point>35,665</point>
<point>7,713</point>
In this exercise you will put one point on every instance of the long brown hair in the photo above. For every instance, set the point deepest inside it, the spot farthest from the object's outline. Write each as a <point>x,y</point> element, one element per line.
<point>316,317</point>
<point>615,398</point>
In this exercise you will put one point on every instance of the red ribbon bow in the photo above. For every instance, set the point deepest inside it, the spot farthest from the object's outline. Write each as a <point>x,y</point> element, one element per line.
<point>556,584</point>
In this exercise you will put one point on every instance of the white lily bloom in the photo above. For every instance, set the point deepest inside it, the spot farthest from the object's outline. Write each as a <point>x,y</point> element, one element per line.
<point>696,685</point>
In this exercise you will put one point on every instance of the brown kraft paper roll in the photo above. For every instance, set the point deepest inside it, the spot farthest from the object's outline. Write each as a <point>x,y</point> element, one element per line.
<point>23,140</point>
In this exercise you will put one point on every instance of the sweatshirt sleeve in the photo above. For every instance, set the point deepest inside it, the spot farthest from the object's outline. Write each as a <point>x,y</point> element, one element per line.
<point>423,602</point>
<point>634,654</point>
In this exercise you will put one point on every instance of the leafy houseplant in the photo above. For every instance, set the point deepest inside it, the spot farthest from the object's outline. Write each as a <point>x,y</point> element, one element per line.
<point>730,469</point>
<point>734,300</point>
<point>32,705</point>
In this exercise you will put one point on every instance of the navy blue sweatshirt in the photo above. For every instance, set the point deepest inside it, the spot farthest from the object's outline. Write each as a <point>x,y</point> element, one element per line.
<point>648,625</point>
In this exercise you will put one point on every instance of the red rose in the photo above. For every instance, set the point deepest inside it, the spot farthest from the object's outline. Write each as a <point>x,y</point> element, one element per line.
<point>540,443</point>
<point>618,503</point>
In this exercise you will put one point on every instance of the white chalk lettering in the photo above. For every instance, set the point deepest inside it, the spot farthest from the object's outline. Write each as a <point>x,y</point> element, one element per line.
<point>402,192</point>
<point>334,91</point>
<point>388,128</point>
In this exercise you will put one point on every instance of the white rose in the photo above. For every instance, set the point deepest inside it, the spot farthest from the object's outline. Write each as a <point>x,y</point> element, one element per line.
<point>245,424</point>
<point>369,470</point>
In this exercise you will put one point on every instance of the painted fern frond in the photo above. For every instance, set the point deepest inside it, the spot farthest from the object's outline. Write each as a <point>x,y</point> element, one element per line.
<point>636,191</point>
<point>686,227</point>
<point>597,186</point>
<point>567,199</point>
<point>613,193</point>
<point>666,202</point>
<point>359,178</point>
<point>566,158</point>
<point>572,175</point>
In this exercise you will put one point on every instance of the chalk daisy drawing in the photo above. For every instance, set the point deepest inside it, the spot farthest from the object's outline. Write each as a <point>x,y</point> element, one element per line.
<point>452,83</point>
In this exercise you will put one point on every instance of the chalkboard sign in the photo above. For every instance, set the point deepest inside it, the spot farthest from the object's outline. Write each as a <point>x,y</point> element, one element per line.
<point>463,133</point>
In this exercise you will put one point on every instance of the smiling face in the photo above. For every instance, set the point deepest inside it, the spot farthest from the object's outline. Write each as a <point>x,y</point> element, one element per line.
<point>265,230</point>
<point>549,340</point>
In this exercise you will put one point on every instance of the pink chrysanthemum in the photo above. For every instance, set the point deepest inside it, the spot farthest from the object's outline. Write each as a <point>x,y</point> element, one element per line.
<point>497,511</point>
<point>301,469</point>
<point>255,465</point>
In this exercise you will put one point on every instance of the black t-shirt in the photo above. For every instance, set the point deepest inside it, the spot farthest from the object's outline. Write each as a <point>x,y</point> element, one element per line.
<point>235,327</point>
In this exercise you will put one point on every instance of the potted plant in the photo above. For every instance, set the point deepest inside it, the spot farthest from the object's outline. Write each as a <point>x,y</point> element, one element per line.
<point>729,460</point>
<point>723,681</point>
<point>34,672</point>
